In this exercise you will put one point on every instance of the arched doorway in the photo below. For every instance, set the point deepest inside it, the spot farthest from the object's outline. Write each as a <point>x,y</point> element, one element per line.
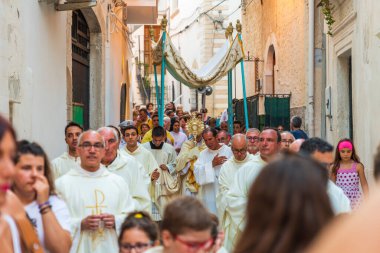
<point>269,83</point>
<point>80,33</point>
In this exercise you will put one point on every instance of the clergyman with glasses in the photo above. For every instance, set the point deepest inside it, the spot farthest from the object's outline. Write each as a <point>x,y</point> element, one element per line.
<point>98,200</point>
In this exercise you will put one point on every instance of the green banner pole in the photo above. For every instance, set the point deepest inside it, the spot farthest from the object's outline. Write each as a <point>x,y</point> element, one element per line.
<point>244,91</point>
<point>157,91</point>
<point>163,79</point>
<point>229,110</point>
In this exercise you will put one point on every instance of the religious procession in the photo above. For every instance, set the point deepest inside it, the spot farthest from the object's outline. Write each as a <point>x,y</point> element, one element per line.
<point>172,126</point>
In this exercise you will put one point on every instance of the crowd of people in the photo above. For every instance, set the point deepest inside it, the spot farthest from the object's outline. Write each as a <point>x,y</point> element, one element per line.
<point>142,187</point>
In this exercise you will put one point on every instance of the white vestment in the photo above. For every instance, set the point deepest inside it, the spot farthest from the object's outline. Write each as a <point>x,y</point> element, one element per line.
<point>339,201</point>
<point>236,200</point>
<point>226,179</point>
<point>134,175</point>
<point>207,176</point>
<point>143,156</point>
<point>90,193</point>
<point>166,187</point>
<point>62,164</point>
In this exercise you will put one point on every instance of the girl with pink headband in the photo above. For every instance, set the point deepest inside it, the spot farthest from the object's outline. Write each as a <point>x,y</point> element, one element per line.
<point>348,172</point>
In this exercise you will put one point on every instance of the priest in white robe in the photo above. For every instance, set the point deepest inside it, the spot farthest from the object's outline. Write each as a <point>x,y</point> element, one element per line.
<point>127,167</point>
<point>207,168</point>
<point>165,187</point>
<point>186,160</point>
<point>237,196</point>
<point>98,200</point>
<point>70,159</point>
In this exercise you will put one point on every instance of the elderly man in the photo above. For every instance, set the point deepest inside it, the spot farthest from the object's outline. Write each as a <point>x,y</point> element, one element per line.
<point>166,186</point>
<point>224,126</point>
<point>236,197</point>
<point>296,145</point>
<point>68,160</point>
<point>287,139</point>
<point>207,168</point>
<point>223,137</point>
<point>127,167</point>
<point>97,199</point>
<point>226,177</point>
<point>252,136</point>
<point>322,151</point>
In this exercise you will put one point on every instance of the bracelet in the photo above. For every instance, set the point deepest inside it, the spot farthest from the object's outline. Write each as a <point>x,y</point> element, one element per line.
<point>45,209</point>
<point>40,206</point>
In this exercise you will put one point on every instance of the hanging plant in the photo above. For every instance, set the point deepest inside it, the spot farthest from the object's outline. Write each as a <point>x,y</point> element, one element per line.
<point>327,8</point>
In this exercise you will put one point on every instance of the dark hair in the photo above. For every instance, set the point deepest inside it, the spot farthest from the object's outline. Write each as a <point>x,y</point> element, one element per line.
<point>129,128</point>
<point>337,159</point>
<point>148,104</point>
<point>143,110</point>
<point>145,124</point>
<point>158,131</point>
<point>296,187</point>
<point>117,131</point>
<point>154,115</point>
<point>296,121</point>
<point>25,147</point>
<point>377,164</point>
<point>5,127</point>
<point>238,122</point>
<point>185,213</point>
<point>72,124</point>
<point>314,144</point>
<point>274,129</point>
<point>210,130</point>
<point>142,221</point>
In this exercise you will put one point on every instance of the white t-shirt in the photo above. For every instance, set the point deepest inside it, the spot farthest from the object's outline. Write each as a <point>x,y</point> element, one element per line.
<point>60,211</point>
<point>179,139</point>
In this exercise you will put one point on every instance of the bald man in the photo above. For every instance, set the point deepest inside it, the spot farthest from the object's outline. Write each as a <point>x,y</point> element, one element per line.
<point>227,173</point>
<point>287,139</point>
<point>296,145</point>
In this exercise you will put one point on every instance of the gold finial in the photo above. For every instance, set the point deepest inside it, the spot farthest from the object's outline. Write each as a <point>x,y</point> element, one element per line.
<point>229,30</point>
<point>195,126</point>
<point>238,26</point>
<point>164,23</point>
<point>151,32</point>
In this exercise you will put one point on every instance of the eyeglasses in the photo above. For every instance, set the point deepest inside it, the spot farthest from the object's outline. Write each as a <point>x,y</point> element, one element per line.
<point>241,151</point>
<point>194,246</point>
<point>287,141</point>
<point>88,146</point>
<point>138,247</point>
<point>252,138</point>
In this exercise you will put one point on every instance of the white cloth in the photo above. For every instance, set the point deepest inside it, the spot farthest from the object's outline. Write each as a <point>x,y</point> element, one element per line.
<point>62,164</point>
<point>134,175</point>
<point>88,193</point>
<point>14,232</point>
<point>226,179</point>
<point>224,116</point>
<point>60,210</point>
<point>143,156</point>
<point>236,200</point>
<point>207,176</point>
<point>340,203</point>
<point>179,139</point>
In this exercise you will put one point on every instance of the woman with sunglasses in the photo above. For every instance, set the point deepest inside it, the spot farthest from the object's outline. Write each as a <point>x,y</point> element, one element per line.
<point>138,232</point>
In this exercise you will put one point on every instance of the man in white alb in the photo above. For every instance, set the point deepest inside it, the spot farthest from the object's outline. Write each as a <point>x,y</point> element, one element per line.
<point>98,200</point>
<point>62,164</point>
<point>207,168</point>
<point>127,167</point>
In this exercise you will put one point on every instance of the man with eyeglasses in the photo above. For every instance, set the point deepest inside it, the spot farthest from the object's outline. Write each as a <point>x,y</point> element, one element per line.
<point>207,168</point>
<point>186,228</point>
<point>237,195</point>
<point>287,138</point>
<point>62,164</point>
<point>167,185</point>
<point>252,136</point>
<point>98,200</point>
<point>127,167</point>
<point>223,137</point>
<point>227,172</point>
<point>322,151</point>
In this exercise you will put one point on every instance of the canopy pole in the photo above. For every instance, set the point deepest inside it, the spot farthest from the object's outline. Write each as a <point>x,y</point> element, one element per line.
<point>157,91</point>
<point>229,109</point>
<point>239,28</point>
<point>164,23</point>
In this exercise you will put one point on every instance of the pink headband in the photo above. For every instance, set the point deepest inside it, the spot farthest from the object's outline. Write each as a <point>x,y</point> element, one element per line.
<point>345,144</point>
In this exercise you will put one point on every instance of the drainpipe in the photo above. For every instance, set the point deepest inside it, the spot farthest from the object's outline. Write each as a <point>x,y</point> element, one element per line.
<point>310,83</point>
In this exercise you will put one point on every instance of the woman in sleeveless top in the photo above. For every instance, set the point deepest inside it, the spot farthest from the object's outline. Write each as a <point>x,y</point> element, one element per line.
<point>348,172</point>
